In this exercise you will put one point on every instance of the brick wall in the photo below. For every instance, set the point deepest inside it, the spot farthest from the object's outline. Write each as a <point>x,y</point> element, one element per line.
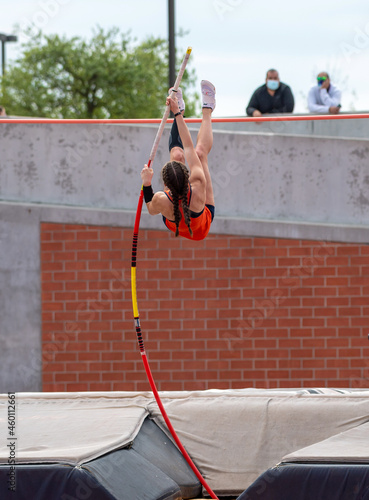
<point>228,312</point>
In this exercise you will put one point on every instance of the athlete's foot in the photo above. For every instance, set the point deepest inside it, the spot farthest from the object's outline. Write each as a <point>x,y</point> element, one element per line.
<point>178,94</point>
<point>208,94</point>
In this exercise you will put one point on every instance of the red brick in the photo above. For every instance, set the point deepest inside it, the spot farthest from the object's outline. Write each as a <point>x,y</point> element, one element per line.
<point>265,242</point>
<point>288,242</point>
<point>87,234</point>
<point>50,226</point>
<point>53,306</point>
<point>359,301</point>
<point>276,252</point>
<point>278,374</point>
<point>288,323</point>
<point>240,242</point>
<point>73,248</point>
<point>348,250</point>
<point>300,251</point>
<point>54,387</point>
<point>65,257</point>
<point>348,271</point>
<point>252,252</point>
<point>63,235</point>
<point>52,266</point>
<point>65,377</point>
<point>52,246</point>
<point>89,356</point>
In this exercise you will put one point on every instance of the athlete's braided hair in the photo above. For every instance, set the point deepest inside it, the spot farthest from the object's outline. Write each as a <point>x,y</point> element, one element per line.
<point>175,176</point>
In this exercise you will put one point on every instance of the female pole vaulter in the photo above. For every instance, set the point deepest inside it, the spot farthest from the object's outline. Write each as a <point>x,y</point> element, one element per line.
<point>187,203</point>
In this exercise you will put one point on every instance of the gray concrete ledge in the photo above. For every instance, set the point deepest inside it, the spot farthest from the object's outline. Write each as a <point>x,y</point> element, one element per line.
<point>222,225</point>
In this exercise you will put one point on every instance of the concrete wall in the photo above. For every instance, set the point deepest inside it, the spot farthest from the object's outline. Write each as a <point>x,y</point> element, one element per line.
<point>350,127</point>
<point>20,301</point>
<point>265,184</point>
<point>256,176</point>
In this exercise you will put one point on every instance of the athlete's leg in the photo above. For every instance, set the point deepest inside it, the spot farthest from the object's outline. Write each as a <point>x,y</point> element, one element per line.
<point>175,144</point>
<point>203,147</point>
<point>205,136</point>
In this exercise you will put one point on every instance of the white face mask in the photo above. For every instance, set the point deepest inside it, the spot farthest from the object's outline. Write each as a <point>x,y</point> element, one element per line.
<point>272,84</point>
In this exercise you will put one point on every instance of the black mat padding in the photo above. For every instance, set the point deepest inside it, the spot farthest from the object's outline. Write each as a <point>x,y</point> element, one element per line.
<point>154,445</point>
<point>51,482</point>
<point>129,476</point>
<point>314,481</point>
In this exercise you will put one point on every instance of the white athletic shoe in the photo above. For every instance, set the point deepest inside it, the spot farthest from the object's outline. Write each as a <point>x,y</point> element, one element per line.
<point>178,94</point>
<point>208,94</point>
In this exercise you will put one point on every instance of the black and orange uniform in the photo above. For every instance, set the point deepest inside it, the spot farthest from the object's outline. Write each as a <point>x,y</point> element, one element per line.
<point>200,221</point>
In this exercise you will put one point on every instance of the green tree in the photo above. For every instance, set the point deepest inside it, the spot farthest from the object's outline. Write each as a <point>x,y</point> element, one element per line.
<point>106,77</point>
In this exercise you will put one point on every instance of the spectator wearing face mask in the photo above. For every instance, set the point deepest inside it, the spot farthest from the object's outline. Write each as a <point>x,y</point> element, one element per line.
<point>272,97</point>
<point>324,97</point>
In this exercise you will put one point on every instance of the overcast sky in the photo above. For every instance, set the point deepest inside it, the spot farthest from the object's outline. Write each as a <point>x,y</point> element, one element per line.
<point>234,42</point>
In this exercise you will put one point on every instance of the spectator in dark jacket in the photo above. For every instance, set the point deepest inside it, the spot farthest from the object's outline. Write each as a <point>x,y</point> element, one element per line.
<point>272,97</point>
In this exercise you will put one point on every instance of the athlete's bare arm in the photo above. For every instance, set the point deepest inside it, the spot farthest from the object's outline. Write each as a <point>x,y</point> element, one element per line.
<point>193,161</point>
<point>159,202</point>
